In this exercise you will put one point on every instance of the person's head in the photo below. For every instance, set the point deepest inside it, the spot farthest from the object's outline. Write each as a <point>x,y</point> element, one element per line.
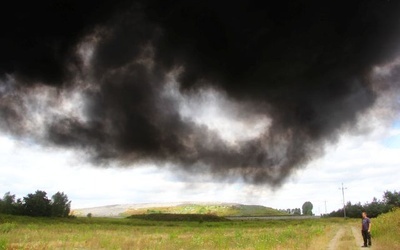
<point>364,214</point>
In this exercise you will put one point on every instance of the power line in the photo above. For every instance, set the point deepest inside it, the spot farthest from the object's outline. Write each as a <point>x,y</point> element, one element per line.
<point>344,204</point>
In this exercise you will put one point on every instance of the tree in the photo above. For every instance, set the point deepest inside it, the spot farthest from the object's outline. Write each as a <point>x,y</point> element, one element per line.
<point>60,205</point>
<point>392,199</point>
<point>373,209</point>
<point>307,208</point>
<point>353,211</point>
<point>296,211</point>
<point>37,204</point>
<point>8,205</point>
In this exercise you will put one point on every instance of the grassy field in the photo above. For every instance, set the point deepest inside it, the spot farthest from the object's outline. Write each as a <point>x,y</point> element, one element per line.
<point>136,233</point>
<point>386,230</point>
<point>197,231</point>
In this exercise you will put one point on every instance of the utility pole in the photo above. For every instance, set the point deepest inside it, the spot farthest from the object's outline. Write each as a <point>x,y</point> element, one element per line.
<point>344,204</point>
<point>325,208</point>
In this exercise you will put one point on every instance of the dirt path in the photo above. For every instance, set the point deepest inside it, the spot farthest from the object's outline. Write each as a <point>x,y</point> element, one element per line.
<point>346,238</point>
<point>333,244</point>
<point>357,235</point>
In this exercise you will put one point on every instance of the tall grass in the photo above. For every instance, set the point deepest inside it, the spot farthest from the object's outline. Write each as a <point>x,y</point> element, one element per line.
<point>107,233</point>
<point>386,230</point>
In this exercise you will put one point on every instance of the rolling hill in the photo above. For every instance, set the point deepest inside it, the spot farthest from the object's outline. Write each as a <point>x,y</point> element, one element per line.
<point>219,209</point>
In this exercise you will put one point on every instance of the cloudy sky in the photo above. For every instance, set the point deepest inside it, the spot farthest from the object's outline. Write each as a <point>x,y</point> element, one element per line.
<point>155,101</point>
<point>367,164</point>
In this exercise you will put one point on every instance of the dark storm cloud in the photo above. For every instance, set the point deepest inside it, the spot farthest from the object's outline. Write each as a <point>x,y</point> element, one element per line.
<point>305,66</point>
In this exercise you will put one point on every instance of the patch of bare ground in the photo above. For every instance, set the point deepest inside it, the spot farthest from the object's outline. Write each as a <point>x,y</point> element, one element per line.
<point>333,244</point>
<point>322,241</point>
<point>359,239</point>
<point>346,238</point>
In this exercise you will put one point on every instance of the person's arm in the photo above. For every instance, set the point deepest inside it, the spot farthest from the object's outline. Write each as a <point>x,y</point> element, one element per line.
<point>369,227</point>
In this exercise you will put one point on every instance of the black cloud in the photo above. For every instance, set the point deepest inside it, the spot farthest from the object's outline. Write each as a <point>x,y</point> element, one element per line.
<point>306,66</point>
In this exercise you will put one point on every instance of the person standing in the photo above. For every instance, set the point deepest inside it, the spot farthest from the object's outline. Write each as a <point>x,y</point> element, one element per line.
<point>366,230</point>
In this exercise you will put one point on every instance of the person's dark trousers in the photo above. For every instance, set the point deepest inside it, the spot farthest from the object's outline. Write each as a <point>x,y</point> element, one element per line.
<point>367,237</point>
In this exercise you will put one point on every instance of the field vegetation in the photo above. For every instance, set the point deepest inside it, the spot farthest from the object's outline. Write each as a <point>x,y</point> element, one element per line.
<point>386,229</point>
<point>186,226</point>
<point>21,232</point>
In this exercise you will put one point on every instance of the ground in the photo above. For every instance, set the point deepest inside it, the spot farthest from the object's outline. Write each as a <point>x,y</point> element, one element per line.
<point>347,237</point>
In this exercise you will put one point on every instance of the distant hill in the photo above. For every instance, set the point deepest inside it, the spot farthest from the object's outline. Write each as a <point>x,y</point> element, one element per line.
<point>219,209</point>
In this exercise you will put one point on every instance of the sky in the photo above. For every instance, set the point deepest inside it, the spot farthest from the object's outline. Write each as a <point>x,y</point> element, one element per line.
<point>367,165</point>
<point>164,101</point>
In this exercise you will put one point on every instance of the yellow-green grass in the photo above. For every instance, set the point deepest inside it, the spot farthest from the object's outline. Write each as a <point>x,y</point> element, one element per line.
<point>386,230</point>
<point>108,233</point>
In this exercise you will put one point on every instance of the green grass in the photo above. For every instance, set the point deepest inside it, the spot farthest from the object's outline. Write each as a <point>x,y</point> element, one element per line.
<point>386,230</point>
<point>134,233</point>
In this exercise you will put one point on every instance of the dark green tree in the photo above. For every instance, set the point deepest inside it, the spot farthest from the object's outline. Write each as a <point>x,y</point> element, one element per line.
<point>353,211</point>
<point>296,211</point>
<point>60,205</point>
<point>392,199</point>
<point>307,208</point>
<point>37,204</point>
<point>376,208</point>
<point>373,209</point>
<point>8,205</point>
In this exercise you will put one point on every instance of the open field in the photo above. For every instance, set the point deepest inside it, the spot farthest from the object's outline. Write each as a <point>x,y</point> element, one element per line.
<point>198,232</point>
<point>108,233</point>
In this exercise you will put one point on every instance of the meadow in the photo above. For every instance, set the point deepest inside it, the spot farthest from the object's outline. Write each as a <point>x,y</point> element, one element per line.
<point>386,229</point>
<point>17,232</point>
<point>108,233</point>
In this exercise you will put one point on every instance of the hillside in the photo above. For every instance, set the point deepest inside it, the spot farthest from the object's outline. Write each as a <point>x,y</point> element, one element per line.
<point>219,209</point>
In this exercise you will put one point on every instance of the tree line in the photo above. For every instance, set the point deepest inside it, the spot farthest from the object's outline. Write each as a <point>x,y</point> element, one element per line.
<point>373,209</point>
<point>306,209</point>
<point>36,204</point>
<point>292,211</point>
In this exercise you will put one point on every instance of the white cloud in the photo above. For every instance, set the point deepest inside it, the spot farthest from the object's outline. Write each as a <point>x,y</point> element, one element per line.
<point>212,108</point>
